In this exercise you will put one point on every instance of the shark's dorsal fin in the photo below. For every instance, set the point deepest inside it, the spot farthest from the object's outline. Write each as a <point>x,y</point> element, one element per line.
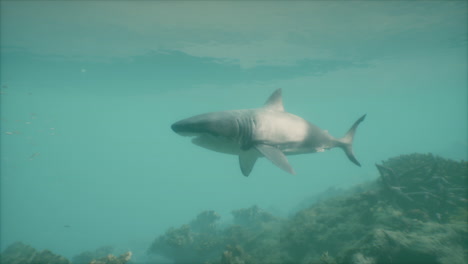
<point>276,156</point>
<point>275,101</point>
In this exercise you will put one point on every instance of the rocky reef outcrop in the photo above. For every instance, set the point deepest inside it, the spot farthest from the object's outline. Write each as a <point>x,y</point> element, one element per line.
<point>202,240</point>
<point>88,256</point>
<point>19,253</point>
<point>416,212</point>
<point>111,259</point>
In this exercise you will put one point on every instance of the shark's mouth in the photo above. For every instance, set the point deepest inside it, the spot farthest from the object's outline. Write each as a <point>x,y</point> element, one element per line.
<point>189,134</point>
<point>217,143</point>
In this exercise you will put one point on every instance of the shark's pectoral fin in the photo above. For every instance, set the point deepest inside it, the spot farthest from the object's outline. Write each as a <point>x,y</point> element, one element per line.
<point>276,156</point>
<point>247,160</point>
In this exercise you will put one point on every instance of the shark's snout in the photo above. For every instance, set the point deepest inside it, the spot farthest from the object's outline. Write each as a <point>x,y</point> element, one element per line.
<point>189,127</point>
<point>216,124</point>
<point>177,127</point>
<point>183,128</point>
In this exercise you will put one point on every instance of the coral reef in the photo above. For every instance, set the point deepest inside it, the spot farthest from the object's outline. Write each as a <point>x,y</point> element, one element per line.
<point>88,256</point>
<point>205,222</point>
<point>416,212</point>
<point>111,259</point>
<point>235,255</point>
<point>415,206</point>
<point>19,253</point>
<point>252,217</point>
<point>429,243</point>
<point>195,242</point>
<point>425,185</point>
<point>202,241</point>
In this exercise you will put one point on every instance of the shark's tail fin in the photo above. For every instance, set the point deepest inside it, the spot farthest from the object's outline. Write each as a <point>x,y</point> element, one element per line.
<point>346,142</point>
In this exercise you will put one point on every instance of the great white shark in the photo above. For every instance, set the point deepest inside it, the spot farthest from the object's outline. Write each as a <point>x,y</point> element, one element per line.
<point>268,131</point>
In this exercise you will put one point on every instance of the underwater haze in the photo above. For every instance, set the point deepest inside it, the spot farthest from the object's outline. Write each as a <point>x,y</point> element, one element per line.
<point>90,89</point>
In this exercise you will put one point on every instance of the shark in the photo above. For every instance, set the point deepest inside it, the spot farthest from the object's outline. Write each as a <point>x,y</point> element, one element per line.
<point>268,131</point>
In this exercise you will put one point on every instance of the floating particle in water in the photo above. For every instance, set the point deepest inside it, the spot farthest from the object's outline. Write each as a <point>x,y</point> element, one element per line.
<point>12,132</point>
<point>34,155</point>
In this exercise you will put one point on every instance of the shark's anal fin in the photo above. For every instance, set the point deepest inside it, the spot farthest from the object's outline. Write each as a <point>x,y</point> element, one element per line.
<point>247,160</point>
<point>276,156</point>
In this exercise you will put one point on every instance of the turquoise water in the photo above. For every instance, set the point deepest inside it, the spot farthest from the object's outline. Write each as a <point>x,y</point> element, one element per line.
<point>89,91</point>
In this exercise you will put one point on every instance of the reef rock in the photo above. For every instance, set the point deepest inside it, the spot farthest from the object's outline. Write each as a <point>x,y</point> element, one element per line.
<point>252,217</point>
<point>88,256</point>
<point>111,259</point>
<point>186,245</point>
<point>19,253</point>
<point>416,212</point>
<point>205,221</point>
<point>431,243</point>
<point>235,255</point>
<point>433,187</point>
